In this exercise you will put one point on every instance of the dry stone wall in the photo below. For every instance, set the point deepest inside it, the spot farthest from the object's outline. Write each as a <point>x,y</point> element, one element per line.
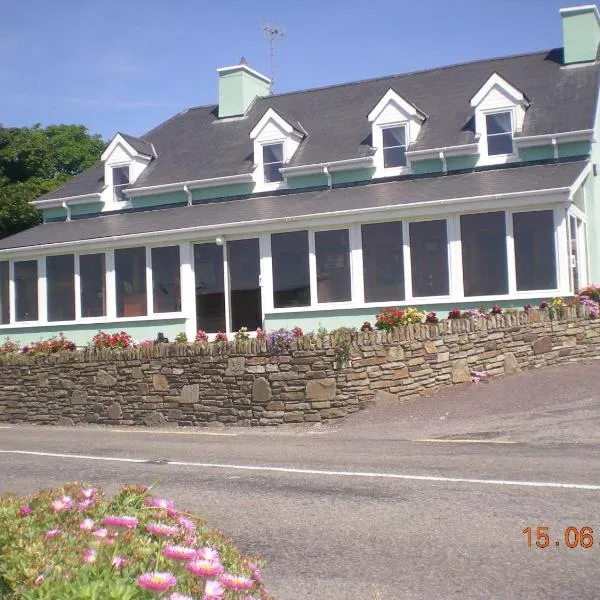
<point>241,383</point>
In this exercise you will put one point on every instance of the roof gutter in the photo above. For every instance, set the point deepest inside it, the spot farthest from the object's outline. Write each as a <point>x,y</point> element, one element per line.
<point>336,165</point>
<point>582,135</point>
<point>220,227</point>
<point>195,184</point>
<point>71,200</point>
<point>447,150</point>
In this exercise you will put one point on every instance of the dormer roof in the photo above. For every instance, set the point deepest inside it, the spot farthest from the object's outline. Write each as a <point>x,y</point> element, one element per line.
<point>287,125</point>
<point>395,99</point>
<point>134,146</point>
<point>495,81</point>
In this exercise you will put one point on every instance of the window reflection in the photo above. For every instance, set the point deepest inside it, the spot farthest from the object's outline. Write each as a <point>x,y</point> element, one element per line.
<point>291,278</point>
<point>60,282</point>
<point>130,269</point>
<point>332,249</point>
<point>166,288</point>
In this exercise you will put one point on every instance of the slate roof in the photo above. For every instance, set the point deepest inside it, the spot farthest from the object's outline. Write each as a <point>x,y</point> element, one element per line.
<point>196,145</point>
<point>142,146</point>
<point>259,208</point>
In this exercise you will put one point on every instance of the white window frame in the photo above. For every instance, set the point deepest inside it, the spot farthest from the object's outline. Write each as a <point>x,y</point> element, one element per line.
<point>397,168</point>
<point>115,199</point>
<point>270,186</point>
<point>379,161</point>
<point>500,158</point>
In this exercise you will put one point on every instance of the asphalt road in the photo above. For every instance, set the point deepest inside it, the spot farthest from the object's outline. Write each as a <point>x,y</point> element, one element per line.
<point>426,499</point>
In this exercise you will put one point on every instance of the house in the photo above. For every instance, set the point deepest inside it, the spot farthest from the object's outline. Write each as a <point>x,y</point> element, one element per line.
<point>459,186</point>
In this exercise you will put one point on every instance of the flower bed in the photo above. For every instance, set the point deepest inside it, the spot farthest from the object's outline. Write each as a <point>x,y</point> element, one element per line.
<point>77,543</point>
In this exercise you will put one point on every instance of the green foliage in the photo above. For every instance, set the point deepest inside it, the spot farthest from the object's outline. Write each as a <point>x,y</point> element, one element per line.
<point>35,160</point>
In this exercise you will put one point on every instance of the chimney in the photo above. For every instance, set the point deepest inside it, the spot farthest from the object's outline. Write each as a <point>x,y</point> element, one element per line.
<point>238,86</point>
<point>581,33</point>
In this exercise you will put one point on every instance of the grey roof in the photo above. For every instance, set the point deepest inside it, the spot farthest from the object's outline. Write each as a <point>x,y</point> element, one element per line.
<point>257,208</point>
<point>142,146</point>
<point>196,145</point>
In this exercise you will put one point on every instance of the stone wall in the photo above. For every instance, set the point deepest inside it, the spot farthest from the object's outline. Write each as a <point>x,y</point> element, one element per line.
<point>241,383</point>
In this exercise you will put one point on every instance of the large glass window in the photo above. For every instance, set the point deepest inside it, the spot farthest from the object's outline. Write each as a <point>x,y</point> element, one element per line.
<point>243,257</point>
<point>166,288</point>
<point>120,182</point>
<point>332,249</point>
<point>394,147</point>
<point>92,281</point>
<point>484,259</point>
<point>291,276</point>
<point>210,287</point>
<point>535,257</point>
<point>429,258</point>
<point>60,286</point>
<point>499,133</point>
<point>383,267</point>
<point>26,290</point>
<point>130,272</point>
<point>272,162</point>
<point>4,293</point>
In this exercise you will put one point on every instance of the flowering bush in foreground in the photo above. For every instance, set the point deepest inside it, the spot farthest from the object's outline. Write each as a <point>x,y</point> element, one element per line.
<point>280,340</point>
<point>389,318</point>
<point>118,339</point>
<point>54,344</point>
<point>9,347</point>
<point>77,543</point>
<point>591,291</point>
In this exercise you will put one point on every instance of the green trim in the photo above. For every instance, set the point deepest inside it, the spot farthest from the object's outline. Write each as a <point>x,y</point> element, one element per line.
<point>306,181</point>
<point>159,200</point>
<point>460,163</point>
<point>574,149</point>
<point>224,191</point>
<point>432,165</point>
<point>581,35</point>
<point>532,153</point>
<point>351,176</point>
<point>86,209</point>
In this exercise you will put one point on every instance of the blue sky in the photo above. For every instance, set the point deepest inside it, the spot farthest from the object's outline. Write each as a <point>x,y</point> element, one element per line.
<point>128,66</point>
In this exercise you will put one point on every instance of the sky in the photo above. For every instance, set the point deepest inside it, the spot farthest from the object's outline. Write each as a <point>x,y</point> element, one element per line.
<point>117,65</point>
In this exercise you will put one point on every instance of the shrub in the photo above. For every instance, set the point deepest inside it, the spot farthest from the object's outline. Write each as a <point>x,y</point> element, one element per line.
<point>474,314</point>
<point>118,340</point>
<point>341,353</point>
<point>592,291</point>
<point>431,318</point>
<point>201,336</point>
<point>454,313</point>
<point>297,331</point>
<point>221,337</point>
<point>389,318</point>
<point>50,346</point>
<point>261,334</point>
<point>322,332</point>
<point>242,334</point>
<point>366,326</point>
<point>280,341</point>
<point>496,310</point>
<point>9,347</point>
<point>77,543</point>
<point>181,338</point>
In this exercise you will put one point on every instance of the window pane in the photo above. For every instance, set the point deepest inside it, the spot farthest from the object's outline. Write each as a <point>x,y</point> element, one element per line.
<point>4,294</point>
<point>534,250</point>
<point>243,258</point>
<point>166,292</point>
<point>498,123</point>
<point>92,280</point>
<point>273,153</point>
<point>394,157</point>
<point>332,249</point>
<point>484,254</point>
<point>500,144</point>
<point>26,290</point>
<point>210,288</point>
<point>291,278</point>
<point>429,258</point>
<point>383,267</point>
<point>272,172</point>
<point>394,136</point>
<point>120,175</point>
<point>60,282</point>
<point>130,273</point>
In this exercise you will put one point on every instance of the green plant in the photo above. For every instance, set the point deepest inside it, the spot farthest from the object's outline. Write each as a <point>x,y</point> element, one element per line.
<point>181,338</point>
<point>242,334</point>
<point>322,332</point>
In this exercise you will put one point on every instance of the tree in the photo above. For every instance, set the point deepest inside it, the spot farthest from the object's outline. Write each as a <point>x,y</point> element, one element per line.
<point>35,160</point>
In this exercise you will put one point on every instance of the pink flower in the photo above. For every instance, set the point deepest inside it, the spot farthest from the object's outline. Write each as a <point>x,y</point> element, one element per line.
<point>62,504</point>
<point>160,582</point>
<point>25,510</point>
<point>85,504</point>
<point>236,582</point>
<point>256,574</point>
<point>39,580</point>
<point>162,530</point>
<point>213,590</point>
<point>125,522</point>
<point>186,523</point>
<point>89,556</point>
<point>52,533</point>
<point>100,533</point>
<point>205,568</point>
<point>208,554</point>
<point>177,596</point>
<point>179,552</point>
<point>160,503</point>
<point>88,493</point>
<point>118,562</point>
<point>87,525</point>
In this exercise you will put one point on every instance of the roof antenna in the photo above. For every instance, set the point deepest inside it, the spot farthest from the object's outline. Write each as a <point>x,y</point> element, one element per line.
<point>273,33</point>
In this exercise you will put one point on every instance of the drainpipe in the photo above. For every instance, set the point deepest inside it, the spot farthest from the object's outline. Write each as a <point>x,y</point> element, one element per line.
<point>444,162</point>
<point>68,209</point>
<point>328,175</point>
<point>555,147</point>
<point>186,189</point>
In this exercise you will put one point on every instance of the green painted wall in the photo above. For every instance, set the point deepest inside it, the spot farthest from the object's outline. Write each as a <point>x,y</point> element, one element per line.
<point>581,35</point>
<point>432,165</point>
<point>81,334</point>
<point>86,209</point>
<point>54,213</point>
<point>159,199</point>
<point>351,176</point>
<point>237,90</point>
<point>458,163</point>
<point>224,191</point>
<point>574,149</point>
<point>307,181</point>
<point>579,198</point>
<point>532,153</point>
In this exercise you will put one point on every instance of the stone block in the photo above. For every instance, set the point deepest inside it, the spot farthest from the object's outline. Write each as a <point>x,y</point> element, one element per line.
<point>154,419</point>
<point>511,365</point>
<point>66,384</point>
<point>275,405</point>
<point>320,404</point>
<point>160,383</point>
<point>78,397</point>
<point>294,417</point>
<point>333,413</point>
<point>460,371</point>
<point>42,380</point>
<point>65,421</point>
<point>190,394</point>
<point>114,412</point>
<point>415,361</point>
<point>395,353</point>
<point>430,347</point>
<point>542,345</point>
<point>136,373</point>
<point>401,373</point>
<point>104,379</point>
<point>384,397</point>
<point>235,366</point>
<point>320,389</point>
<point>261,391</point>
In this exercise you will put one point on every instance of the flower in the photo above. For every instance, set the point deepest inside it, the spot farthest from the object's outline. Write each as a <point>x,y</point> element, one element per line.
<point>201,336</point>
<point>256,574</point>
<point>100,533</point>
<point>88,493</point>
<point>160,582</point>
<point>186,523</point>
<point>496,310</point>
<point>39,580</point>
<point>25,510</point>
<point>179,552</point>
<point>527,306</point>
<point>454,313</point>
<point>213,590</point>
<point>366,326</point>
<point>220,337</point>
<point>85,504</point>
<point>62,504</point>
<point>160,503</point>
<point>432,317</point>
<point>261,334</point>
<point>118,562</point>
<point>87,525</point>
<point>125,522</point>
<point>89,556</point>
<point>162,530</point>
<point>236,582</point>
<point>52,533</point>
<point>297,331</point>
<point>208,554</point>
<point>543,305</point>
<point>178,596</point>
<point>205,568</point>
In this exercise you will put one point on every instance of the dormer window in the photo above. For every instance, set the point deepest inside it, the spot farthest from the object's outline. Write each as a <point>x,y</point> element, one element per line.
<point>499,133</point>
<point>272,162</point>
<point>120,182</point>
<point>394,147</point>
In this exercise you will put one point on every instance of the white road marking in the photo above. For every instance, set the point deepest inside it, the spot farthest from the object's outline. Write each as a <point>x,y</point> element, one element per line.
<point>4,427</point>
<point>218,433</point>
<point>436,441</point>
<point>373,475</point>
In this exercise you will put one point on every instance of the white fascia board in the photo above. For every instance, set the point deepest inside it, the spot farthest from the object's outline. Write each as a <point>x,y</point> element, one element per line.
<point>232,68</point>
<point>341,217</point>
<point>275,116</point>
<point>580,179</point>
<point>406,107</point>
<point>70,200</point>
<point>448,151</point>
<point>495,80</point>
<point>119,139</point>
<point>192,185</point>
<point>338,165</point>
<point>583,135</point>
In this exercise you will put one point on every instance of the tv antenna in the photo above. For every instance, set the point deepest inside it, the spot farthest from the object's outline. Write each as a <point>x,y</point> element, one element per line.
<point>273,33</point>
